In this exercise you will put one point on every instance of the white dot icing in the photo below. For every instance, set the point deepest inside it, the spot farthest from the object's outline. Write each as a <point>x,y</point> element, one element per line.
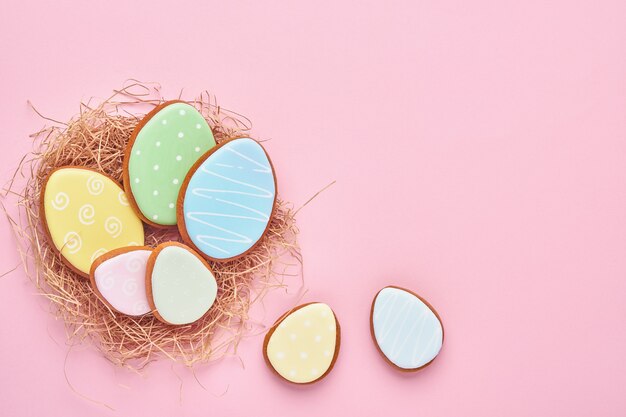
<point>290,349</point>
<point>165,155</point>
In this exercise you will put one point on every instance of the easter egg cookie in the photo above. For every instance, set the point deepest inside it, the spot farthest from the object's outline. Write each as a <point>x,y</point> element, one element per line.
<point>119,279</point>
<point>161,150</point>
<point>302,346</point>
<point>87,214</point>
<point>405,328</point>
<point>180,285</point>
<point>227,200</point>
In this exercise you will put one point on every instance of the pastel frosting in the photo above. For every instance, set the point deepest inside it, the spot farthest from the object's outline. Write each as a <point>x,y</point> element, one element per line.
<point>406,330</point>
<point>302,346</point>
<point>183,288</point>
<point>87,214</point>
<point>163,151</point>
<point>229,199</point>
<point>121,281</point>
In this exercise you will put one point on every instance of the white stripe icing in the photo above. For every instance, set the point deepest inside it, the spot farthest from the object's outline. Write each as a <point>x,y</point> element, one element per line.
<point>228,201</point>
<point>407,331</point>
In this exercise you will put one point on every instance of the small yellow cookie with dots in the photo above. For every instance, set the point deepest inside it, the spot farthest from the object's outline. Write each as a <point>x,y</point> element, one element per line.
<point>302,346</point>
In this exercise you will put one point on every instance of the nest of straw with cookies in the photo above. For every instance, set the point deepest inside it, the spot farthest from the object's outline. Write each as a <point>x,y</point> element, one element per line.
<point>153,225</point>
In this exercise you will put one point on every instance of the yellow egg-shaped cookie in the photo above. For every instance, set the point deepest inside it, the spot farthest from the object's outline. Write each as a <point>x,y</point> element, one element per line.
<point>302,346</point>
<point>87,214</point>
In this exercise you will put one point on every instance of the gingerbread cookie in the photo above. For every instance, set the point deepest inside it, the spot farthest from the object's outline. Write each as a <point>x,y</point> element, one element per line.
<point>180,285</point>
<point>161,150</point>
<point>119,279</point>
<point>302,346</point>
<point>87,214</point>
<point>406,329</point>
<point>227,200</point>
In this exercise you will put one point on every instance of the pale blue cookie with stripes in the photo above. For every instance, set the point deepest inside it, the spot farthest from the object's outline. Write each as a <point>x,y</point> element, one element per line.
<point>227,200</point>
<point>406,329</point>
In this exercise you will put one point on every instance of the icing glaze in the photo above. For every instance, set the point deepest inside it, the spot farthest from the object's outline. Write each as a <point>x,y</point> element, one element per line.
<point>228,200</point>
<point>162,152</point>
<point>407,331</point>
<point>181,286</point>
<point>121,280</point>
<point>87,214</point>
<point>301,347</point>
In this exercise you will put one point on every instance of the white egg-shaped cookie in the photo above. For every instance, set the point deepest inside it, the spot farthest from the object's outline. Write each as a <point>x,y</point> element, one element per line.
<point>180,285</point>
<point>302,346</point>
<point>119,279</point>
<point>227,200</point>
<point>87,214</point>
<point>406,329</point>
<point>163,147</point>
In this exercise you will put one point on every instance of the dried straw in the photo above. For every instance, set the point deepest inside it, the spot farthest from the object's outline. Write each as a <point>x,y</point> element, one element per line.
<point>96,138</point>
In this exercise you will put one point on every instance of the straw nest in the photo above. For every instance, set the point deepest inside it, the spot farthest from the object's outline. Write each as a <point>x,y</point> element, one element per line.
<point>96,138</point>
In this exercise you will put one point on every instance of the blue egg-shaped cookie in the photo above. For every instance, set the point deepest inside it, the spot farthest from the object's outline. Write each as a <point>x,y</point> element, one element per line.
<point>227,200</point>
<point>406,329</point>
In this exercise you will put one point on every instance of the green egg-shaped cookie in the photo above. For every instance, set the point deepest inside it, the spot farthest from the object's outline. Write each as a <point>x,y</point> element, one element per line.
<point>161,150</point>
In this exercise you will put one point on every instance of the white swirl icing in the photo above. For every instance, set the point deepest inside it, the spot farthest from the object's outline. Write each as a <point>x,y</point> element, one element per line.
<point>95,185</point>
<point>61,201</point>
<point>86,214</point>
<point>72,242</point>
<point>113,226</point>
<point>98,253</point>
<point>135,263</point>
<point>129,287</point>
<point>141,307</point>
<point>106,281</point>
<point>121,197</point>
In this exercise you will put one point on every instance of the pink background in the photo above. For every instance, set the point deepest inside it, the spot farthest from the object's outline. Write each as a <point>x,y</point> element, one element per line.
<point>479,151</point>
